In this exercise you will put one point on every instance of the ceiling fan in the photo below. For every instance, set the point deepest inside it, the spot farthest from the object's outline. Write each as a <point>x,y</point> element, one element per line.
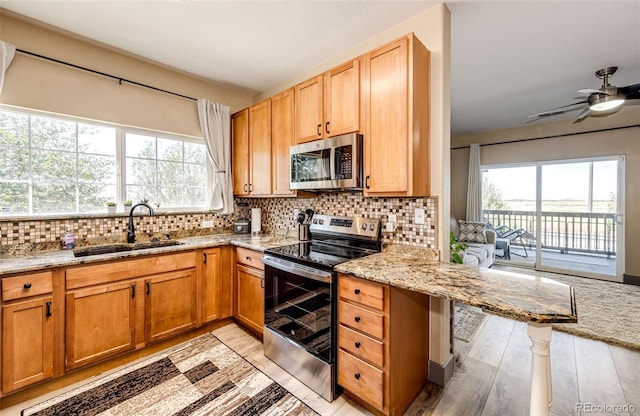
<point>607,100</point>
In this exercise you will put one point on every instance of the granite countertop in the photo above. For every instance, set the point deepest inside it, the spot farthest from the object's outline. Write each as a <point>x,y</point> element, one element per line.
<point>513,295</point>
<point>38,260</point>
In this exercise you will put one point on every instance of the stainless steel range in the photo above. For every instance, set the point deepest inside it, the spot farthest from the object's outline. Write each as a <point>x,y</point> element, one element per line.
<point>301,297</point>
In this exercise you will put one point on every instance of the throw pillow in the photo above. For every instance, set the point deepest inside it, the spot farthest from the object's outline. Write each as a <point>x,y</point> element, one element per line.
<point>472,232</point>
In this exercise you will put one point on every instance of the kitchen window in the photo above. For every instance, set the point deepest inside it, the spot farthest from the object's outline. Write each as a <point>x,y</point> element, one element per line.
<point>60,165</point>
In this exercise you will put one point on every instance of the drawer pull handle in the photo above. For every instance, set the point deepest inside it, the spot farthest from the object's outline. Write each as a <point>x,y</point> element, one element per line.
<point>133,291</point>
<point>357,344</point>
<point>148,288</point>
<point>27,286</point>
<point>318,127</point>
<point>48,308</point>
<point>357,318</point>
<point>356,291</point>
<point>357,376</point>
<point>204,255</point>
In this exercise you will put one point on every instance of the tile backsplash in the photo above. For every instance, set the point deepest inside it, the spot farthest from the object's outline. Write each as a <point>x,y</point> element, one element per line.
<point>277,216</point>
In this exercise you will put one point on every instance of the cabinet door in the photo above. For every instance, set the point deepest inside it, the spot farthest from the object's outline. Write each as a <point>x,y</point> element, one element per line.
<point>100,322</point>
<point>309,117</point>
<point>211,284</point>
<point>386,112</point>
<point>27,343</point>
<point>250,297</point>
<point>342,99</point>
<point>282,138</point>
<point>170,304</point>
<point>240,152</point>
<point>260,148</point>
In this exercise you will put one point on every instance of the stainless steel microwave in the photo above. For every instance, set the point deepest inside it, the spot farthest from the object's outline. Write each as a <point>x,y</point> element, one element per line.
<point>333,164</point>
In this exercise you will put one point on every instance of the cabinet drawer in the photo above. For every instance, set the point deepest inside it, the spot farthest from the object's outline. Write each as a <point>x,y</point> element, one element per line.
<point>361,319</point>
<point>361,345</point>
<point>249,257</point>
<point>361,291</point>
<point>83,276</point>
<point>27,285</point>
<point>361,379</point>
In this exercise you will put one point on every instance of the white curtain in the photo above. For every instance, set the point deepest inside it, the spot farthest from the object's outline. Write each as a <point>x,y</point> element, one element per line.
<point>474,187</point>
<point>7,52</point>
<point>215,123</point>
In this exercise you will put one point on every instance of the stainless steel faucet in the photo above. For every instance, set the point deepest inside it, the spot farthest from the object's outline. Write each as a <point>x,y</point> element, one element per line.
<point>131,232</point>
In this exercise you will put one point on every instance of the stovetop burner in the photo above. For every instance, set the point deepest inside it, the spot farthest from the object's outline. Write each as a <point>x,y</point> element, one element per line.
<point>319,253</point>
<point>334,241</point>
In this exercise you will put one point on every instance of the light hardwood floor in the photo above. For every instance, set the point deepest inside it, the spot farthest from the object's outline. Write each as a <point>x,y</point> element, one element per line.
<point>492,375</point>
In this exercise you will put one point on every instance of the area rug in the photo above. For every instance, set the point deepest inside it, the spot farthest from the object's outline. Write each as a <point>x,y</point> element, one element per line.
<point>607,311</point>
<point>202,376</point>
<point>466,322</point>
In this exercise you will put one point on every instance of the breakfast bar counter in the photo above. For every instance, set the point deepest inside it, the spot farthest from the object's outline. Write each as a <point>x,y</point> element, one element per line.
<point>512,295</point>
<point>538,301</point>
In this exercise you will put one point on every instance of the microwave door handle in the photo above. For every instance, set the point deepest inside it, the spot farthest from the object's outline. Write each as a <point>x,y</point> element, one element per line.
<point>332,163</point>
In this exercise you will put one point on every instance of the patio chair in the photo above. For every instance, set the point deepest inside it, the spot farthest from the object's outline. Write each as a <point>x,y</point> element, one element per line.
<point>512,235</point>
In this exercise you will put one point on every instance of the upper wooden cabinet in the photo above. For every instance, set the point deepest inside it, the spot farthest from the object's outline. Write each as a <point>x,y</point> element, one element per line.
<point>329,105</point>
<point>282,138</point>
<point>251,132</point>
<point>396,119</point>
<point>240,152</point>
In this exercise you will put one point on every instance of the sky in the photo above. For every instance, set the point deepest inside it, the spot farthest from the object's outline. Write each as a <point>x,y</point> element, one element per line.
<point>559,181</point>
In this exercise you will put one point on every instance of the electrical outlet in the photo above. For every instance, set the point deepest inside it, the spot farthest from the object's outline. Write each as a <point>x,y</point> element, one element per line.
<point>295,213</point>
<point>392,217</point>
<point>419,216</point>
<point>207,224</point>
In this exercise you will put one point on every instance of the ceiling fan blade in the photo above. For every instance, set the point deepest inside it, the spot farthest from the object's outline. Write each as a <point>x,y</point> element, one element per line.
<point>582,115</point>
<point>631,92</point>
<point>558,110</point>
<point>592,91</point>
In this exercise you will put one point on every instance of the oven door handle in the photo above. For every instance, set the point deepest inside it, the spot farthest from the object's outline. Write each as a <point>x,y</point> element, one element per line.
<point>298,269</point>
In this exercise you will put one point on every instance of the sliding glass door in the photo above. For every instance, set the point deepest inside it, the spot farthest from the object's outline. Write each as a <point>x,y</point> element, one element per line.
<point>563,216</point>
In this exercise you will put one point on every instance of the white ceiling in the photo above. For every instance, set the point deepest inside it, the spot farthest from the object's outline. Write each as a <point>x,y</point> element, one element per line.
<point>509,59</point>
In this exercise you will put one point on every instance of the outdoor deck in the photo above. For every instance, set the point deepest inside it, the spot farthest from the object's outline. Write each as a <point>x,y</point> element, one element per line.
<point>567,261</point>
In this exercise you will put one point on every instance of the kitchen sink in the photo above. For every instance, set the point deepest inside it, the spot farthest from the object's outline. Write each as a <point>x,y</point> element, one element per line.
<point>117,248</point>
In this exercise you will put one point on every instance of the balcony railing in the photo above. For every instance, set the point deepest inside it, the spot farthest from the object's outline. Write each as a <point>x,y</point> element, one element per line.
<point>577,232</point>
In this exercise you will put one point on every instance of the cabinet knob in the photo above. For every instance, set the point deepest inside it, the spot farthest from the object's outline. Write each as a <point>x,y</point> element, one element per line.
<point>356,291</point>
<point>248,258</point>
<point>357,376</point>
<point>357,318</point>
<point>27,286</point>
<point>357,344</point>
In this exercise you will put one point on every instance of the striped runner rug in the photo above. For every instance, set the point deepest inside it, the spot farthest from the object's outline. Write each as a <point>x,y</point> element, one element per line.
<point>200,377</point>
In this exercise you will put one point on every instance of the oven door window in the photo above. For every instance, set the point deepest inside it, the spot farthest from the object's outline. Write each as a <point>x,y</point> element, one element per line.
<point>300,309</point>
<point>311,166</point>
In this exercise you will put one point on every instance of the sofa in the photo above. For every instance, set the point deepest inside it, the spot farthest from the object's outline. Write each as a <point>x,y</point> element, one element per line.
<point>481,242</point>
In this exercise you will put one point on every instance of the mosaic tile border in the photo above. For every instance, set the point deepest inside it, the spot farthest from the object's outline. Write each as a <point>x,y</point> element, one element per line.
<point>277,216</point>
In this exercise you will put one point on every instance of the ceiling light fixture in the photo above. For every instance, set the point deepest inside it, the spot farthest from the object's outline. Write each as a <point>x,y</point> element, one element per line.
<point>602,102</point>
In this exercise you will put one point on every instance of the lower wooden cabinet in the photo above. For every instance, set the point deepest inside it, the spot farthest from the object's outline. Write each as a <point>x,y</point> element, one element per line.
<point>27,343</point>
<point>383,350</point>
<point>216,283</point>
<point>170,304</point>
<point>100,322</point>
<point>249,283</point>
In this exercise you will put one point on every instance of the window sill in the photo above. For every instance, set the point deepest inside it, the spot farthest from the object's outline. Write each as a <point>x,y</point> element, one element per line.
<point>16,218</point>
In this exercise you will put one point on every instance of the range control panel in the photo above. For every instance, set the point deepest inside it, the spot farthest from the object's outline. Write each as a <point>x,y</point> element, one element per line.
<point>355,226</point>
